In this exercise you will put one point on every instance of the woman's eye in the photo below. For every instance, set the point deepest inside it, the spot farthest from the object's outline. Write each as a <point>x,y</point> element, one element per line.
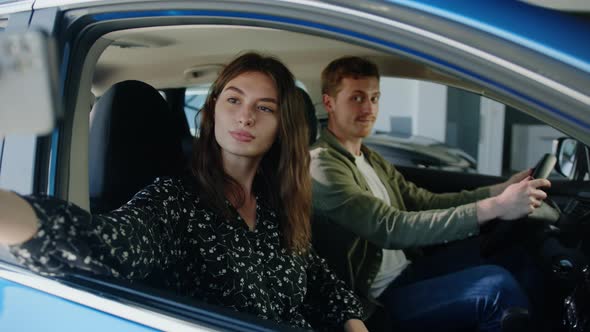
<point>265,109</point>
<point>232,100</point>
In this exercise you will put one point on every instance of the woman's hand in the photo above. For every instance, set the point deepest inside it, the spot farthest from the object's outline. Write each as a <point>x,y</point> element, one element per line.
<point>355,325</point>
<point>497,189</point>
<point>516,201</point>
<point>18,221</point>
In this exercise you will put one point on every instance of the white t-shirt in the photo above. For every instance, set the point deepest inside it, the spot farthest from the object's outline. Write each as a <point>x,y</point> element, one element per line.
<point>394,261</point>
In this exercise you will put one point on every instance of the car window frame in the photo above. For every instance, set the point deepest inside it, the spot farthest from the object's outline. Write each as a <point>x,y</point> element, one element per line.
<point>73,99</point>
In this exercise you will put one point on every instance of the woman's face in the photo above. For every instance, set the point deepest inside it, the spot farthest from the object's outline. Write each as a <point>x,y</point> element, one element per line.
<point>246,115</point>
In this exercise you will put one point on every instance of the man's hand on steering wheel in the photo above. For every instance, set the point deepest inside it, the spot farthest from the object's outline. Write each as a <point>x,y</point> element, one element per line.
<point>497,189</point>
<point>516,201</point>
<point>521,199</point>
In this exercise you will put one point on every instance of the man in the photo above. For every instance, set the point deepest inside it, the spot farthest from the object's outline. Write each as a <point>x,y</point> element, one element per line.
<point>366,214</point>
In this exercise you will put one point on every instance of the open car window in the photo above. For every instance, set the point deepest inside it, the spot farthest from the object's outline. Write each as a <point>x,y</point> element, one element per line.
<point>194,99</point>
<point>430,125</point>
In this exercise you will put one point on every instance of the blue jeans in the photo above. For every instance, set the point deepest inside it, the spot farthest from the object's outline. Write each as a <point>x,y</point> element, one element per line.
<point>455,290</point>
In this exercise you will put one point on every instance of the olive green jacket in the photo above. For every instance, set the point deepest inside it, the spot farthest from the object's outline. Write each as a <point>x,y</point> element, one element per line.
<point>351,226</point>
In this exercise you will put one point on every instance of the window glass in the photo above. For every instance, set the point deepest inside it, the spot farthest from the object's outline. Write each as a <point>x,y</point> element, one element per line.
<point>425,124</point>
<point>1,151</point>
<point>194,98</point>
<point>3,23</point>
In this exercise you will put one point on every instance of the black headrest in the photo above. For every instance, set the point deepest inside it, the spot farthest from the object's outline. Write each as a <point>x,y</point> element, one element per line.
<point>134,138</point>
<point>312,120</point>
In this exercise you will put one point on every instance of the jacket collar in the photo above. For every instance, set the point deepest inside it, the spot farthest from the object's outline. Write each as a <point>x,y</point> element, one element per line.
<point>334,143</point>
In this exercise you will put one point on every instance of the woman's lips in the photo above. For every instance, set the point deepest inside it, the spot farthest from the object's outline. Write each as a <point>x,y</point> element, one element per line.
<point>241,135</point>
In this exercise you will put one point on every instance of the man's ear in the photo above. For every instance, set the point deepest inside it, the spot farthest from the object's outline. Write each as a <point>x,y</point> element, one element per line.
<point>328,103</point>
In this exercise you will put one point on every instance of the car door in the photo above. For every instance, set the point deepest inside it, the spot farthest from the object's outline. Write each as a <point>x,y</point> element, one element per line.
<point>422,31</point>
<point>29,164</point>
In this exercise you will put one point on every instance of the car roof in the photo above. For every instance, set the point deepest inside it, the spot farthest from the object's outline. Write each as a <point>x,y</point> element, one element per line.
<point>560,35</point>
<point>514,52</point>
<point>512,20</point>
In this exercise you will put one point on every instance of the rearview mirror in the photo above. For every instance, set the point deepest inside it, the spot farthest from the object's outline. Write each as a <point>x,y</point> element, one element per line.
<point>28,83</point>
<point>566,151</point>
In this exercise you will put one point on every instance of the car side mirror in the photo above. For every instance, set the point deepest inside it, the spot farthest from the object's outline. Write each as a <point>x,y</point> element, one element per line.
<point>29,95</point>
<point>566,150</point>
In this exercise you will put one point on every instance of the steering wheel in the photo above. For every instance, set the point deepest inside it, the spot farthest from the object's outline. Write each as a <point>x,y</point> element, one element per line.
<point>544,166</point>
<point>501,233</point>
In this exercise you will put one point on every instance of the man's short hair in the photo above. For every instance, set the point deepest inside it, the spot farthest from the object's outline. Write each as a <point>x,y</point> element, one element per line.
<point>346,67</point>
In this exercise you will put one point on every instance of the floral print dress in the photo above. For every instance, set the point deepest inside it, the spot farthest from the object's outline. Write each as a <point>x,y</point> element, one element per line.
<point>168,231</point>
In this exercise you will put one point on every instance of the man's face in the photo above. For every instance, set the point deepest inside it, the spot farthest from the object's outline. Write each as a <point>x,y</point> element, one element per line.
<point>353,111</point>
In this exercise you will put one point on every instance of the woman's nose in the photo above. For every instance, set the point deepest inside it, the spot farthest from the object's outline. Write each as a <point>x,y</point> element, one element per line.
<point>246,116</point>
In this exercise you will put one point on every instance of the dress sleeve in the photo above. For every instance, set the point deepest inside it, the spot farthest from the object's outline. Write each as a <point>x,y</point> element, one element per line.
<point>328,301</point>
<point>127,242</point>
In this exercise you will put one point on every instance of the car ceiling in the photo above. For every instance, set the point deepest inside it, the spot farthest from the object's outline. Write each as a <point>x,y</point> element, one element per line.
<point>189,55</point>
<point>169,56</point>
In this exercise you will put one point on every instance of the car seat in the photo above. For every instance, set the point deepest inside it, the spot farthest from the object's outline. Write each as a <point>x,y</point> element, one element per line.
<point>134,138</point>
<point>312,120</point>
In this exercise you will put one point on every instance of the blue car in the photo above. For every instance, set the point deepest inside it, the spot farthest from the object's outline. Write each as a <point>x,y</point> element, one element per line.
<point>512,79</point>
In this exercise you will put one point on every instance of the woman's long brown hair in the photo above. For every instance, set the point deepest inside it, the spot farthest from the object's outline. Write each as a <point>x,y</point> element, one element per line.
<point>283,174</point>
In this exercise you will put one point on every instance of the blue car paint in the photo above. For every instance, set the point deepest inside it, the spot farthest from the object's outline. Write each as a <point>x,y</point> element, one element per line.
<point>518,22</point>
<point>27,309</point>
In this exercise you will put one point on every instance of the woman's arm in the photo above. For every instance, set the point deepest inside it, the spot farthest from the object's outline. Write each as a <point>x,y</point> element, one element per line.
<point>355,325</point>
<point>328,300</point>
<point>18,222</point>
<point>127,242</point>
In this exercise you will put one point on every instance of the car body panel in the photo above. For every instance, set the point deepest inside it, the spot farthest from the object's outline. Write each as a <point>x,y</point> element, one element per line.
<point>512,20</point>
<point>45,312</point>
<point>11,7</point>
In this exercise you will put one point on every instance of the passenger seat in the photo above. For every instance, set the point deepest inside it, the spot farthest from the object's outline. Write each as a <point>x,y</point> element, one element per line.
<point>134,138</point>
<point>312,120</point>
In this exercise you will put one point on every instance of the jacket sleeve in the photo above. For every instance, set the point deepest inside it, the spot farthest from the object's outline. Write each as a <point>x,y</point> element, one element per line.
<point>339,199</point>
<point>328,302</point>
<point>417,199</point>
<point>127,242</point>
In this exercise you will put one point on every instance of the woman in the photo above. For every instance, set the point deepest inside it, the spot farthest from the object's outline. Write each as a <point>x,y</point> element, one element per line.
<point>236,233</point>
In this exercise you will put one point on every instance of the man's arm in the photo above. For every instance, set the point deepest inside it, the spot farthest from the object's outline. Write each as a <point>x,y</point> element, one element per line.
<point>419,199</point>
<point>516,201</point>
<point>497,189</point>
<point>338,198</point>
